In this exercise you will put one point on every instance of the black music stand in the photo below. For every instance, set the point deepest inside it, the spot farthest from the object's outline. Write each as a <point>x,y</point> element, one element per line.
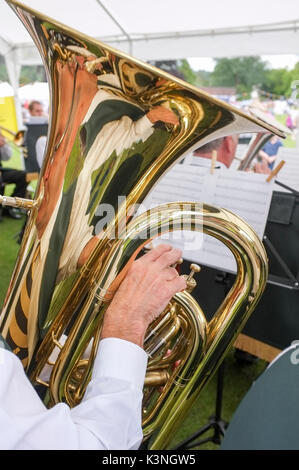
<point>35,129</point>
<point>281,212</point>
<point>216,423</point>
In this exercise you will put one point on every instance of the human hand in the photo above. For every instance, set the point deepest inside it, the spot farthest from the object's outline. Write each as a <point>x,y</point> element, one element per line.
<point>160,113</point>
<point>143,294</point>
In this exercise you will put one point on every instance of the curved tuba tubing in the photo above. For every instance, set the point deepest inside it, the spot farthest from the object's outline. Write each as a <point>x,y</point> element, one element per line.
<point>117,125</point>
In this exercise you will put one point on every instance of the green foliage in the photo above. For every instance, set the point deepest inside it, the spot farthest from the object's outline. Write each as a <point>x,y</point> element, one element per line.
<point>278,82</point>
<point>9,229</point>
<point>290,141</point>
<point>203,78</point>
<point>244,73</point>
<point>29,73</point>
<point>3,71</point>
<point>188,73</point>
<point>240,72</point>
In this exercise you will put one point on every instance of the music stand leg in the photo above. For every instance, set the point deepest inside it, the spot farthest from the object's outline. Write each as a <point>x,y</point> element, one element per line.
<point>215,422</point>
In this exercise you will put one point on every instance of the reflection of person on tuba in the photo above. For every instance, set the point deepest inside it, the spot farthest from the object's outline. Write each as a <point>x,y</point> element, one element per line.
<point>107,129</point>
<point>11,176</point>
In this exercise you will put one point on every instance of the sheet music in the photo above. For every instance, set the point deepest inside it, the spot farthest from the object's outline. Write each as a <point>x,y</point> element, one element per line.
<point>246,194</point>
<point>289,174</point>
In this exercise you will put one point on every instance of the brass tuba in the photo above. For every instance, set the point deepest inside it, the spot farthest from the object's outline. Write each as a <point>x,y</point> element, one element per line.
<point>117,125</point>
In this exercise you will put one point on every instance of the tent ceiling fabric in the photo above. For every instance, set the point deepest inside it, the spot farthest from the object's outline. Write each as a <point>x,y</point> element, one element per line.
<point>166,29</point>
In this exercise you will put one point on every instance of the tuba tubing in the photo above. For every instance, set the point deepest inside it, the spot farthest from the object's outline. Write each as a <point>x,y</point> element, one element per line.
<point>211,340</point>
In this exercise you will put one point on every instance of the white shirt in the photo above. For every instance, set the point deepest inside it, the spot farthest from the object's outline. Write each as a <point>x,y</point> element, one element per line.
<point>108,417</point>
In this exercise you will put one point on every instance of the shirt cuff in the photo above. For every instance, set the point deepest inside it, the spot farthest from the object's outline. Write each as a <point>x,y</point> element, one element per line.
<point>122,360</point>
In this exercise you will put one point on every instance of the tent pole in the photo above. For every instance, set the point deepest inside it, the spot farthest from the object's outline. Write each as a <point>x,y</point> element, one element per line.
<point>13,70</point>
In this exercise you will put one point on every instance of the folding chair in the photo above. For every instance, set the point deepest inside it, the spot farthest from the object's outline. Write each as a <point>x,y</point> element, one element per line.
<point>268,416</point>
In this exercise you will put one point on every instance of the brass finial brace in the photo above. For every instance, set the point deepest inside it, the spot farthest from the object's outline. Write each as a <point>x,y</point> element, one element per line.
<point>190,281</point>
<point>179,261</point>
<point>22,203</point>
<point>194,269</point>
<point>18,202</point>
<point>56,342</point>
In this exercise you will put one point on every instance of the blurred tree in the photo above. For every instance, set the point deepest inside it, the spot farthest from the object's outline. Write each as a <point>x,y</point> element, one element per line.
<point>29,73</point>
<point>203,78</point>
<point>188,73</point>
<point>240,72</point>
<point>278,82</point>
<point>3,71</point>
<point>295,77</point>
<point>199,78</point>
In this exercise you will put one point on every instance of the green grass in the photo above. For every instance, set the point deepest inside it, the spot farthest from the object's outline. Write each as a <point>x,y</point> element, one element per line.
<point>9,229</point>
<point>237,380</point>
<point>290,141</point>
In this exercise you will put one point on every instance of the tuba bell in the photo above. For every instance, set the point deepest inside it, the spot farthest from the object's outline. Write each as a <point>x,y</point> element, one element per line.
<point>117,125</point>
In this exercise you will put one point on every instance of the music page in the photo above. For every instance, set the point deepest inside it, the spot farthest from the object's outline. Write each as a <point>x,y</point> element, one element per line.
<point>248,195</point>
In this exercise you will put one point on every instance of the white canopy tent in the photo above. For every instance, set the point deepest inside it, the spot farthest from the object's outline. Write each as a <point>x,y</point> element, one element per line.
<point>161,29</point>
<point>166,29</point>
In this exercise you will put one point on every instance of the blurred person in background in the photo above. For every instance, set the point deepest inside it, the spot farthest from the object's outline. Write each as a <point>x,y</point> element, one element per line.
<point>226,149</point>
<point>270,150</point>
<point>11,176</point>
<point>35,136</point>
<point>36,108</point>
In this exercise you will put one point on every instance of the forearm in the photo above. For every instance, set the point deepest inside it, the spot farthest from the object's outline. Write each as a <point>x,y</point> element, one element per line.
<point>122,324</point>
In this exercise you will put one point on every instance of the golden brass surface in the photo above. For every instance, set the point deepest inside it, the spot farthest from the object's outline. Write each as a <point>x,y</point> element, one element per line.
<point>17,202</point>
<point>116,126</point>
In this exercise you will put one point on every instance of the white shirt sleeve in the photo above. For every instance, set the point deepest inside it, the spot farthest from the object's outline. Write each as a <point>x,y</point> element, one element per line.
<point>108,417</point>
